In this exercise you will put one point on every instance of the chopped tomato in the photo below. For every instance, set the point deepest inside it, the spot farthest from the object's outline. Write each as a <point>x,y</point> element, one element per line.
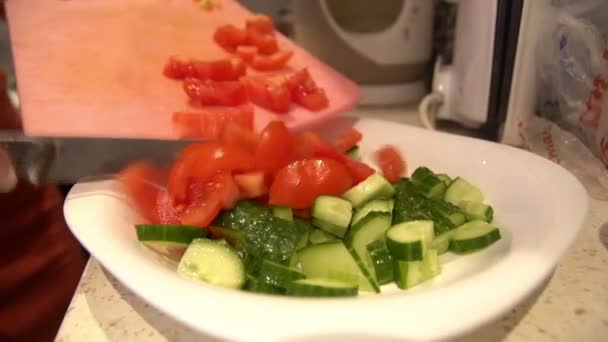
<point>239,136</point>
<point>305,144</point>
<point>201,161</point>
<point>251,184</point>
<point>221,186</point>
<point>201,213</point>
<point>229,37</point>
<point>211,122</point>
<point>246,53</point>
<point>275,61</point>
<point>305,91</point>
<point>168,213</point>
<point>212,93</point>
<point>264,93</point>
<point>260,23</point>
<point>275,148</point>
<point>141,181</point>
<point>359,171</point>
<point>299,183</point>
<point>348,140</point>
<point>219,70</point>
<point>392,164</point>
<point>302,213</point>
<point>266,43</point>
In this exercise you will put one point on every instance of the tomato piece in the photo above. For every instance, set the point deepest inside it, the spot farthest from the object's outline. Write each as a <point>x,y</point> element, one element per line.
<point>201,213</point>
<point>142,181</point>
<point>229,37</point>
<point>348,140</point>
<point>272,96</point>
<point>260,23</point>
<point>305,91</point>
<point>252,184</point>
<point>276,61</point>
<point>299,183</point>
<point>213,93</point>
<point>359,171</point>
<point>211,122</point>
<point>201,161</point>
<point>391,163</point>
<point>246,53</point>
<point>168,213</point>
<point>239,136</point>
<point>218,70</point>
<point>303,213</point>
<point>275,148</point>
<point>266,43</point>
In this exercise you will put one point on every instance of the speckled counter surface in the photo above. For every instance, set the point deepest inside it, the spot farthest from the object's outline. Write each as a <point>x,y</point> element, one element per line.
<point>572,305</point>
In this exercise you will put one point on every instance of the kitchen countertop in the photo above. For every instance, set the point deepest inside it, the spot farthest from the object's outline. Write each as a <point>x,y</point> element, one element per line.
<point>571,305</point>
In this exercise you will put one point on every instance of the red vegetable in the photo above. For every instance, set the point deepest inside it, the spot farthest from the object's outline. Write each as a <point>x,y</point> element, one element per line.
<point>348,140</point>
<point>229,69</point>
<point>252,184</point>
<point>260,23</point>
<point>230,37</point>
<point>212,93</point>
<point>305,91</point>
<point>246,53</point>
<point>142,181</point>
<point>264,93</point>
<point>211,122</point>
<point>266,43</point>
<point>392,164</point>
<point>272,62</point>
<point>275,148</point>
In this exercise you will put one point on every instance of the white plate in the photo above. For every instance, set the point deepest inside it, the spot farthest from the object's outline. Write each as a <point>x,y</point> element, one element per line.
<point>539,206</point>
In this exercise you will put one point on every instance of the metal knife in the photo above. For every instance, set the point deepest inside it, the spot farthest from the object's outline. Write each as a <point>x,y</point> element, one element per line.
<point>58,160</point>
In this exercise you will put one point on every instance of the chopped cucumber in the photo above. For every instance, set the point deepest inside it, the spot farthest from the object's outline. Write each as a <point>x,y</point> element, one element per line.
<point>283,212</point>
<point>477,211</point>
<point>278,275</point>
<point>441,243</point>
<point>332,214</point>
<point>170,234</point>
<point>445,179</point>
<point>376,205</point>
<point>232,236</point>
<point>303,241</point>
<point>254,284</point>
<point>332,260</point>
<point>447,210</point>
<point>321,287</point>
<point>369,229</point>
<point>213,262</point>
<point>374,187</point>
<point>408,241</point>
<point>430,264</point>
<point>317,236</point>
<point>382,261</point>
<point>411,273</point>
<point>473,236</point>
<point>460,190</point>
<point>354,153</point>
<point>428,183</point>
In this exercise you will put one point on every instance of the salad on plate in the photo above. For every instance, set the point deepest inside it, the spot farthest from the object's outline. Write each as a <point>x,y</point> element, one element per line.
<point>291,214</point>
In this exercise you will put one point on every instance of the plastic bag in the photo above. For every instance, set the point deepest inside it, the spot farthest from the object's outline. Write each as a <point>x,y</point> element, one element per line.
<point>573,91</point>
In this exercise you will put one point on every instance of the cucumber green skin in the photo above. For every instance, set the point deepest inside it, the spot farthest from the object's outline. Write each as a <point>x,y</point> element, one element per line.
<point>382,261</point>
<point>361,194</point>
<point>369,229</point>
<point>411,251</point>
<point>311,290</point>
<point>332,260</point>
<point>407,273</point>
<point>428,183</point>
<point>255,285</point>
<point>277,275</point>
<point>365,266</point>
<point>375,205</point>
<point>442,243</point>
<point>329,227</point>
<point>173,234</point>
<point>474,244</point>
<point>284,213</point>
<point>232,236</point>
<point>461,190</point>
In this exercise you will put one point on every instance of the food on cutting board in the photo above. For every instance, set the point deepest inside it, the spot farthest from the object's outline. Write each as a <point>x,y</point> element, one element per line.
<point>291,214</point>
<point>225,83</point>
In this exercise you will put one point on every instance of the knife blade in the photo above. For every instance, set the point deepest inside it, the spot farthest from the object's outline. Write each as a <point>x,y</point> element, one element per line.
<point>58,160</point>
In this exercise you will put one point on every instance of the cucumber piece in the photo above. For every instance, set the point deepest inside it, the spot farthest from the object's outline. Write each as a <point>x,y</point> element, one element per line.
<point>473,236</point>
<point>408,241</point>
<point>232,236</point>
<point>430,264</point>
<point>477,211</point>
<point>369,229</point>
<point>441,243</point>
<point>353,153</point>
<point>428,183</point>
<point>332,260</point>
<point>303,241</point>
<point>332,214</point>
<point>445,179</point>
<point>278,275</point>
<point>382,261</point>
<point>317,236</point>
<point>408,273</point>
<point>374,187</point>
<point>460,190</point>
<point>284,213</point>
<point>213,262</point>
<point>321,287</point>
<point>385,206</point>
<point>175,235</point>
<point>254,284</point>
<point>447,210</point>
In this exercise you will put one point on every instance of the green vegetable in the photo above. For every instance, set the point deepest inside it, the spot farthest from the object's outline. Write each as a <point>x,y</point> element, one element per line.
<point>321,287</point>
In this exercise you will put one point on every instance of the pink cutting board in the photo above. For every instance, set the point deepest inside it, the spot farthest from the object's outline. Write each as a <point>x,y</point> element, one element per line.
<point>93,68</point>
